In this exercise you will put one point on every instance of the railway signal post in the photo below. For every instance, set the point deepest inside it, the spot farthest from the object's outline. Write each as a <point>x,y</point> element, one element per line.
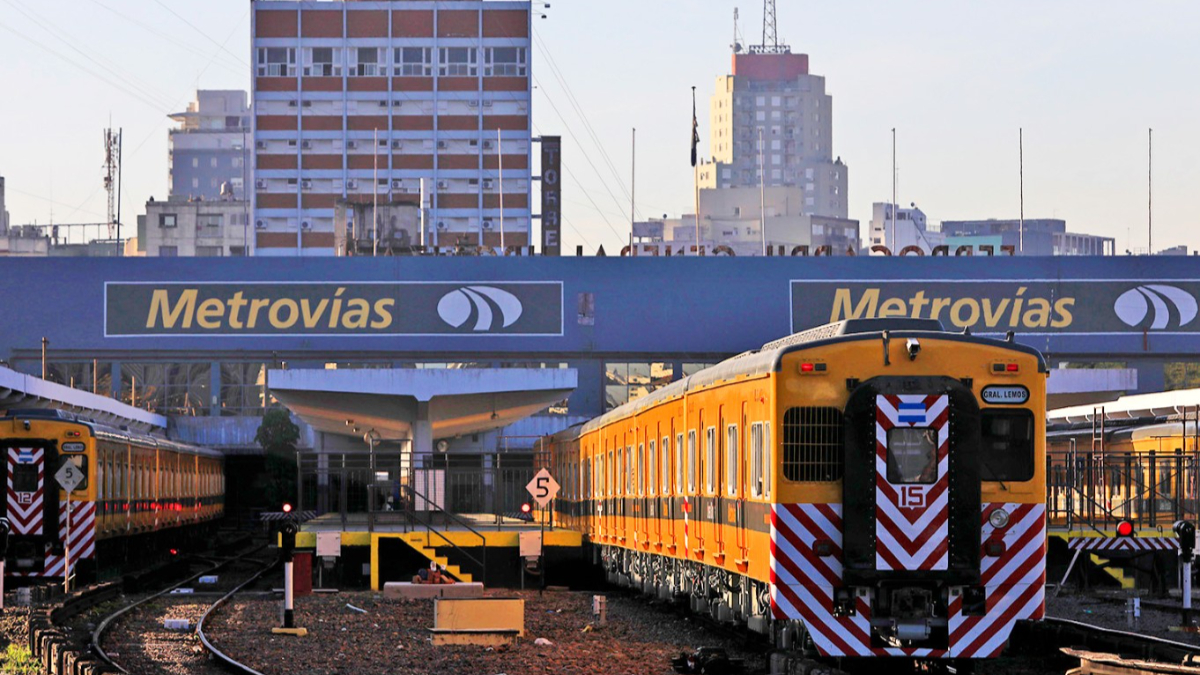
<point>1186,531</point>
<point>287,536</point>
<point>4,530</point>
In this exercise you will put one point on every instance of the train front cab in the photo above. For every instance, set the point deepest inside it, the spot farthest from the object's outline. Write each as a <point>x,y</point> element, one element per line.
<point>939,520</point>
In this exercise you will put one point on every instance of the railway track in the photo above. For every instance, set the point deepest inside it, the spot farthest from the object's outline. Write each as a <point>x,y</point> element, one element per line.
<point>134,639</point>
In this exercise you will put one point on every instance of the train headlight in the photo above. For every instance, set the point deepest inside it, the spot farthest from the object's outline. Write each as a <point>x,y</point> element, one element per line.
<point>998,519</point>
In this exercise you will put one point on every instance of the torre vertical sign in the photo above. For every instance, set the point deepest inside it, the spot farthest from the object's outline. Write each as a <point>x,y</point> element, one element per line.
<point>551,195</point>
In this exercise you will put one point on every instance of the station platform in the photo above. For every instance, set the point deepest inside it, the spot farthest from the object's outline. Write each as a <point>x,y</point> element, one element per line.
<point>471,547</point>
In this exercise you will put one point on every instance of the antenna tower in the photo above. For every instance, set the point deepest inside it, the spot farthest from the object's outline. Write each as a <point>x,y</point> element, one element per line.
<point>112,169</point>
<point>770,35</point>
<point>737,38</point>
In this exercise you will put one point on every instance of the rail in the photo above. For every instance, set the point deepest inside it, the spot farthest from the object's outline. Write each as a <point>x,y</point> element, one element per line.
<point>226,661</point>
<point>411,514</point>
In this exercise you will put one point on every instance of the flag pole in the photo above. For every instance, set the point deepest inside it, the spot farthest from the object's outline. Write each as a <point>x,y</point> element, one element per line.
<point>695,175</point>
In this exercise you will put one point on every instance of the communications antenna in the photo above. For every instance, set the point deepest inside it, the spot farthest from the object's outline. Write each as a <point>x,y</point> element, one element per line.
<point>770,34</point>
<point>112,172</point>
<point>737,38</point>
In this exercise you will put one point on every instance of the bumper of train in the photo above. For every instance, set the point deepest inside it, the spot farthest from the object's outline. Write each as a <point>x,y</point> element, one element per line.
<point>952,622</point>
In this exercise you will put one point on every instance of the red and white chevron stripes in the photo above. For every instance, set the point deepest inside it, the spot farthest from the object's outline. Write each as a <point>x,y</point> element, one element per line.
<point>83,539</point>
<point>1133,544</point>
<point>803,584</point>
<point>911,519</point>
<point>1014,582</point>
<point>25,508</point>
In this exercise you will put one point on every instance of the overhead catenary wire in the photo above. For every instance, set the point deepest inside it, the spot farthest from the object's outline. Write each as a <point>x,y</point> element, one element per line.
<point>238,68</point>
<point>564,84</point>
<point>588,195</point>
<point>208,37</point>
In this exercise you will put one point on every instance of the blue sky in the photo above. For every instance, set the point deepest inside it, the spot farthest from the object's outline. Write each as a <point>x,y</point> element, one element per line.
<point>1085,80</point>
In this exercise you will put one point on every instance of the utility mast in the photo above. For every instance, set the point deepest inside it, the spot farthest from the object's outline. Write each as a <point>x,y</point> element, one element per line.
<point>770,34</point>
<point>737,38</point>
<point>112,173</point>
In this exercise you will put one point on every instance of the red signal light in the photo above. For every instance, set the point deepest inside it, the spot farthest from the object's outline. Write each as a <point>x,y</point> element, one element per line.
<point>1125,529</point>
<point>526,508</point>
<point>1012,367</point>
<point>806,367</point>
<point>287,508</point>
<point>174,551</point>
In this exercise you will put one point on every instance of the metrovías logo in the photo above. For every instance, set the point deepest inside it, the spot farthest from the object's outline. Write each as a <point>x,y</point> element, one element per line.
<point>491,308</point>
<point>1156,307</point>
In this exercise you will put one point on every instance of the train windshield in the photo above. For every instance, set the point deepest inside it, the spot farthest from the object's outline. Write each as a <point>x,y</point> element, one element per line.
<point>25,478</point>
<point>1007,445</point>
<point>912,455</point>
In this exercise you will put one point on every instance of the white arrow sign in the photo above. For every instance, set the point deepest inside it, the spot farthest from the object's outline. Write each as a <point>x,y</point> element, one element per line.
<point>69,476</point>
<point>543,487</point>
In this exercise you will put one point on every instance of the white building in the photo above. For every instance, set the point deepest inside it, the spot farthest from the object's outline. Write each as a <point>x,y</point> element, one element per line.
<point>911,229</point>
<point>3,210</point>
<point>733,217</point>
<point>201,228</point>
<point>773,105</point>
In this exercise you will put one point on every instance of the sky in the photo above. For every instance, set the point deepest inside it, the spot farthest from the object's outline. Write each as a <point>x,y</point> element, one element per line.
<point>1085,80</point>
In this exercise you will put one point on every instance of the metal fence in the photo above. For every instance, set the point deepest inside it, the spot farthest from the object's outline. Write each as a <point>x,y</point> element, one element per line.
<point>1093,489</point>
<point>386,487</point>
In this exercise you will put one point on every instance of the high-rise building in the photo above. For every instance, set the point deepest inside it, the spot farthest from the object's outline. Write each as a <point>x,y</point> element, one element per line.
<point>774,107</point>
<point>208,149</point>
<point>358,101</point>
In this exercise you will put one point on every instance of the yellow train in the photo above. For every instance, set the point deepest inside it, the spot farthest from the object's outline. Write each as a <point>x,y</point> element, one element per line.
<point>130,488</point>
<point>871,488</point>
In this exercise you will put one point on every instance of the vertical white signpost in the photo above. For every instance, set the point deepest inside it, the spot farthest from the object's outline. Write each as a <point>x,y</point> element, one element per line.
<point>543,488</point>
<point>69,477</point>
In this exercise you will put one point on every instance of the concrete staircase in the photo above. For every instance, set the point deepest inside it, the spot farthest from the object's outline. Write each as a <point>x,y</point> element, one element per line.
<point>416,540</point>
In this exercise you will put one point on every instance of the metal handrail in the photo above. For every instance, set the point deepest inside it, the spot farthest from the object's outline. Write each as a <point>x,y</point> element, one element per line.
<point>412,516</point>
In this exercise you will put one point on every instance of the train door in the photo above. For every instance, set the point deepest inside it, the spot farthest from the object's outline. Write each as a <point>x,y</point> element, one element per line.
<point>30,503</point>
<point>911,494</point>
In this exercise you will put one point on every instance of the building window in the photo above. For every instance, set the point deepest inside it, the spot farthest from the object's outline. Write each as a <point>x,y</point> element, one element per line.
<point>458,61</point>
<point>209,252</point>
<point>413,61</point>
<point>625,382</point>
<point>322,62</point>
<point>208,221</point>
<point>167,220</point>
<point>276,62</point>
<point>168,251</point>
<point>505,61</point>
<point>369,62</point>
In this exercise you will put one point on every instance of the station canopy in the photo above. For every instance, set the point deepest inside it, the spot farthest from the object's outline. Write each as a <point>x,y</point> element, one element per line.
<point>18,390</point>
<point>418,404</point>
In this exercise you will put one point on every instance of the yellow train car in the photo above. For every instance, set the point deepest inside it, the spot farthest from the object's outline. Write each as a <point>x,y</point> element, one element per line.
<point>871,487</point>
<point>132,488</point>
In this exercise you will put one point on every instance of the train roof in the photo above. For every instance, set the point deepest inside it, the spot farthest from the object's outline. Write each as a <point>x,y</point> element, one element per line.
<point>108,433</point>
<point>767,359</point>
<point>1135,406</point>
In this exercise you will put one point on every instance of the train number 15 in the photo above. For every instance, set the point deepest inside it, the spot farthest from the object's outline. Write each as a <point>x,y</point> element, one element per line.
<point>912,497</point>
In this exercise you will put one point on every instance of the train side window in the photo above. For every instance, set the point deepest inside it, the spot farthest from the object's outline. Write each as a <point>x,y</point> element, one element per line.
<point>651,467</point>
<point>812,444</point>
<point>768,468</point>
<point>612,473</point>
<point>630,466</point>
<point>756,468</point>
<point>665,473</point>
<point>679,464</point>
<point>731,459</point>
<point>1007,450</point>
<point>691,462</point>
<point>710,460</point>
<point>641,469</point>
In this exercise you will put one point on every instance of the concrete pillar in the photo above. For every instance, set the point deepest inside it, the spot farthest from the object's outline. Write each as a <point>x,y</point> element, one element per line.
<point>214,385</point>
<point>422,436</point>
<point>1151,374</point>
<point>588,398</point>
<point>322,474</point>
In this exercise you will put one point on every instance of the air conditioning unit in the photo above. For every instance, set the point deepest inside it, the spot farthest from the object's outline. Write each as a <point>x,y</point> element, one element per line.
<point>488,183</point>
<point>443,185</point>
<point>351,184</point>
<point>487,145</point>
<point>397,145</point>
<point>306,184</point>
<point>260,224</point>
<point>441,225</point>
<point>442,145</point>
<point>351,144</point>
<point>487,104</point>
<point>473,104</point>
<point>306,104</point>
<point>261,145</point>
<point>397,183</point>
<point>487,224</point>
<point>260,184</point>
<point>292,103</point>
<point>383,104</point>
<point>307,145</point>
<point>305,225</point>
